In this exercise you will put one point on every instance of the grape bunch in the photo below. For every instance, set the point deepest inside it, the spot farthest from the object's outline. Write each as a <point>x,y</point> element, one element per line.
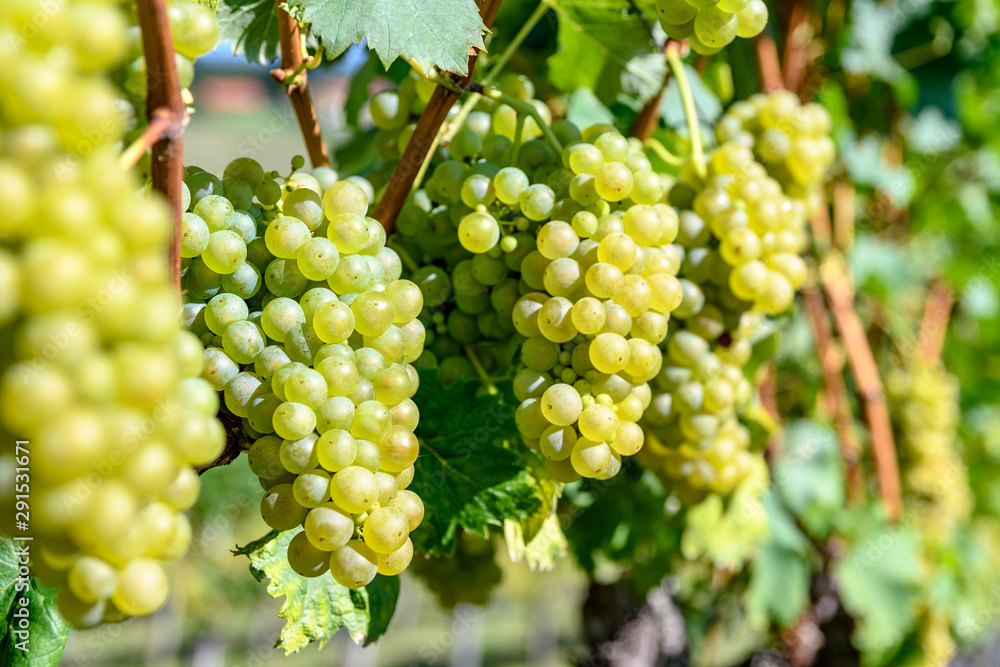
<point>99,377</point>
<point>694,437</point>
<point>925,401</point>
<point>711,25</point>
<point>790,139</point>
<point>311,333</point>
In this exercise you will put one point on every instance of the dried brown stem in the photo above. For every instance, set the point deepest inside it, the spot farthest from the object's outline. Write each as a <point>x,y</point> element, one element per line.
<point>796,54</point>
<point>770,65</point>
<point>934,324</point>
<point>866,375</point>
<point>164,107</point>
<point>832,362</point>
<point>161,124</point>
<point>298,90</point>
<point>423,139</point>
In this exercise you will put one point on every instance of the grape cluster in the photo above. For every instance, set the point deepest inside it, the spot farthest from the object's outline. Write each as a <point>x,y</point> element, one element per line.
<point>790,139</point>
<point>694,437</point>
<point>742,229</point>
<point>925,400</point>
<point>99,379</point>
<point>311,334</point>
<point>711,25</point>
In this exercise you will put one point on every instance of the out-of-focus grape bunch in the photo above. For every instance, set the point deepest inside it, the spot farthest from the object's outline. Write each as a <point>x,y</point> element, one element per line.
<point>99,378</point>
<point>711,25</point>
<point>925,399</point>
<point>310,333</point>
<point>743,229</point>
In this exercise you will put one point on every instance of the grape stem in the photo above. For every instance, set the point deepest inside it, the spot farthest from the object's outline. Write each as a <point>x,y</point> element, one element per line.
<point>424,137</point>
<point>293,76</point>
<point>484,377</point>
<point>661,152</point>
<point>518,132</point>
<point>161,124</point>
<point>832,363</point>
<point>690,111</point>
<point>934,323</point>
<point>167,117</point>
<point>497,67</point>
<point>236,443</point>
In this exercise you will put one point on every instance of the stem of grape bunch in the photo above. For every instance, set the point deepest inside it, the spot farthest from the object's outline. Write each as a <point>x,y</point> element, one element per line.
<point>167,113</point>
<point>293,70</point>
<point>690,110</point>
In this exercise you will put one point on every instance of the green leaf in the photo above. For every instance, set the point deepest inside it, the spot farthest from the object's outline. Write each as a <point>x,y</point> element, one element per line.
<point>779,574</point>
<point>252,27</point>
<point>880,580</point>
<point>433,33</point>
<point>540,551</point>
<point>469,473</point>
<point>587,31</point>
<point>810,474</point>
<point>47,629</point>
<point>585,109</point>
<point>315,608</point>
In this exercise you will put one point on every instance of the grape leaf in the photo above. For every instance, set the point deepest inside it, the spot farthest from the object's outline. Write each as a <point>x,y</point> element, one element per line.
<point>315,608</point>
<point>585,109</point>
<point>810,474</point>
<point>468,474</point>
<point>252,28</point>
<point>587,31</point>
<point>48,631</point>
<point>432,33</point>
<point>880,580</point>
<point>779,574</point>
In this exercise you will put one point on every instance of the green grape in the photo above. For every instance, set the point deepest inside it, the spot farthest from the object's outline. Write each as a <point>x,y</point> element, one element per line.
<point>243,341</point>
<point>247,170</point>
<point>293,421</point>
<point>283,279</point>
<point>280,316</point>
<point>306,386</point>
<point>478,232</point>
<point>264,459</point>
<point>585,159</point>
<point>388,112</point>
<point>557,239</point>
<point>317,258</point>
<point>142,587</point>
<point>510,183</point>
<point>354,489</point>
<point>561,404</point>
<point>194,235</point>
<point>336,412</point>
<point>268,192</point>
<point>328,527</point>
<point>537,201</point>
<point>225,252</point>
<point>752,19</point>
<point>223,310</point>
<point>477,190</point>
<point>613,181</point>
<point>244,225</point>
<point>373,313</point>
<point>305,205</point>
<point>306,559</point>
<point>715,28</point>
<point>312,488</point>
<point>279,508</point>
<point>609,352</point>
<point>354,565</point>
<point>285,235</point>
<point>337,449</point>
<point>244,282</point>
<point>385,530</point>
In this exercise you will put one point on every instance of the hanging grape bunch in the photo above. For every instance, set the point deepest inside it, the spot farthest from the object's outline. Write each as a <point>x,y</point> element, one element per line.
<point>711,25</point>
<point>100,379</point>
<point>311,333</point>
